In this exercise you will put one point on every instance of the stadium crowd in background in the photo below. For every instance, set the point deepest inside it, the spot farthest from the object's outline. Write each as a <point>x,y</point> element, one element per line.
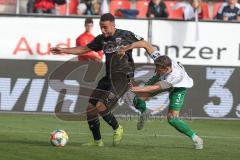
<point>222,10</point>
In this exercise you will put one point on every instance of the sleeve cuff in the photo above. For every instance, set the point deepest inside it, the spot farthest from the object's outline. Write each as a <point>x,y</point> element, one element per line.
<point>154,55</point>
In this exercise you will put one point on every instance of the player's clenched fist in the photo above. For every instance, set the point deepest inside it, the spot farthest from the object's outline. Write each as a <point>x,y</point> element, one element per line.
<point>56,50</point>
<point>122,51</point>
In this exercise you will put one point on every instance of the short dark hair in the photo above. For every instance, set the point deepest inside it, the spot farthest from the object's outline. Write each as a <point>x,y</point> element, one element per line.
<point>107,17</point>
<point>163,62</point>
<point>88,20</point>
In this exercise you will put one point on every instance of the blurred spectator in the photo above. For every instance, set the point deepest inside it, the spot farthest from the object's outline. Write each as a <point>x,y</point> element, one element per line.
<point>67,8</point>
<point>84,39</point>
<point>8,6</point>
<point>188,11</point>
<point>193,9</point>
<point>157,8</point>
<point>30,6</point>
<point>44,6</point>
<point>126,13</point>
<point>41,6</point>
<point>96,7</point>
<point>104,7</point>
<point>229,11</point>
<point>199,9</point>
<point>89,7</point>
<point>81,8</point>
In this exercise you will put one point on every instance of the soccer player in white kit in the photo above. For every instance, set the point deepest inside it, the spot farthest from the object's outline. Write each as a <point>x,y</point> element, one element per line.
<point>169,76</point>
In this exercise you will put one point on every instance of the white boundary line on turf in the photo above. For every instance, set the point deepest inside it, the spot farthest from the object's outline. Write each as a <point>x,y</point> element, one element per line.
<point>126,134</point>
<point>117,115</point>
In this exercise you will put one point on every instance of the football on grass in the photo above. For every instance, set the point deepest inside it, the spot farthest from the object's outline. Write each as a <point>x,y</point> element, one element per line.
<point>59,138</point>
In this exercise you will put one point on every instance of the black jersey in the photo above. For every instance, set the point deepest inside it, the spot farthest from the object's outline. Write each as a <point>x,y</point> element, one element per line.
<point>231,13</point>
<point>111,45</point>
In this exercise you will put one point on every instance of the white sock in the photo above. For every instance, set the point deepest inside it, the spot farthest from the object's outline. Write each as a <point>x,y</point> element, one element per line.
<point>194,137</point>
<point>98,140</point>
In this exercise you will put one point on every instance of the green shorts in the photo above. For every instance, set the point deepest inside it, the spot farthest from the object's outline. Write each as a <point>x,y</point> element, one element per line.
<point>176,95</point>
<point>176,98</point>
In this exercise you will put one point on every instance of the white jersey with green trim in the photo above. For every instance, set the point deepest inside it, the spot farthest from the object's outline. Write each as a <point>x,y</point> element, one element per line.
<point>178,77</point>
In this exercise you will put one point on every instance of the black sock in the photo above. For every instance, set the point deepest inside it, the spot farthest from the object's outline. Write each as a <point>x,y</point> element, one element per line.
<point>110,119</point>
<point>94,126</point>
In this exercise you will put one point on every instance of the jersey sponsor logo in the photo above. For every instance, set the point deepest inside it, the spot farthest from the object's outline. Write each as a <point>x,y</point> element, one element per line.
<point>229,14</point>
<point>110,47</point>
<point>118,40</point>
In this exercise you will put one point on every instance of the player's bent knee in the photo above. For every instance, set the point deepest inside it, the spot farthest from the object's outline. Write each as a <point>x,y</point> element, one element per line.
<point>144,97</point>
<point>91,111</point>
<point>172,119</point>
<point>101,107</point>
<point>110,101</point>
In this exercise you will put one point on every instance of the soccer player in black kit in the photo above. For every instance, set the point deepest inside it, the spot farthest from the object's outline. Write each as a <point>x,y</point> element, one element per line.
<point>113,85</point>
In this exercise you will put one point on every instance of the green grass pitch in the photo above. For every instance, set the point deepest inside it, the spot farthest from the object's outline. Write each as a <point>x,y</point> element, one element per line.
<point>26,137</point>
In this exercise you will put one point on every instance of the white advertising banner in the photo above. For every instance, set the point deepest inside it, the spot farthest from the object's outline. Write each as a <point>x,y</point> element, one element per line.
<point>29,38</point>
<point>203,43</point>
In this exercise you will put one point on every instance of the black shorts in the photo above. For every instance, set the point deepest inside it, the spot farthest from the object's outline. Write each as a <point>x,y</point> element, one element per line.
<point>108,91</point>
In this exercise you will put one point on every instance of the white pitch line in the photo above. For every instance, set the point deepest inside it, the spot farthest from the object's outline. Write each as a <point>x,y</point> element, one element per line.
<point>125,134</point>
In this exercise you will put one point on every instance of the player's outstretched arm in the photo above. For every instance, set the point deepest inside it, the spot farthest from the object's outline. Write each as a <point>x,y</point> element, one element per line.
<point>160,86</point>
<point>145,89</point>
<point>74,50</point>
<point>139,44</point>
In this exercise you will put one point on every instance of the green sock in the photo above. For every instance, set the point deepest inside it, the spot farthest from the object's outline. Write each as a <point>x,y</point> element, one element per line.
<point>181,126</point>
<point>139,104</point>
